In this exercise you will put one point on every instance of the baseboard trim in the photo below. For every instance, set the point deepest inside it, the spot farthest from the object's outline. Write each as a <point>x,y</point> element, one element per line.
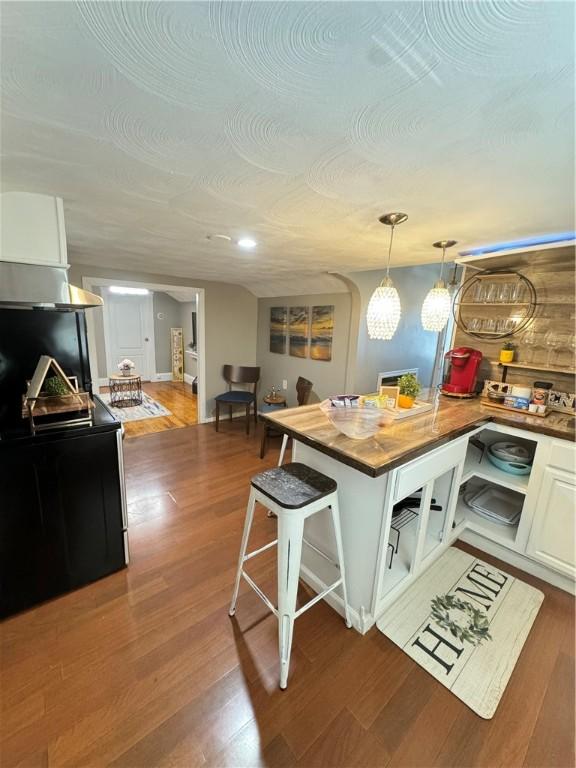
<point>163,376</point>
<point>519,561</point>
<point>188,378</point>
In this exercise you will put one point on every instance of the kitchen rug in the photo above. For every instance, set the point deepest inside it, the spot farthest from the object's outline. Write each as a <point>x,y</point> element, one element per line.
<point>149,409</point>
<point>465,622</point>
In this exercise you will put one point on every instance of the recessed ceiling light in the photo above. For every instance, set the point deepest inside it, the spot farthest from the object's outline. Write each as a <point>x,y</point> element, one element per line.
<point>125,290</point>
<point>247,242</point>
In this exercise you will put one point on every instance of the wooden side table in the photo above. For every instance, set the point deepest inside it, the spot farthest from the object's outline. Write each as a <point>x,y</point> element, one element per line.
<point>277,400</point>
<point>125,391</point>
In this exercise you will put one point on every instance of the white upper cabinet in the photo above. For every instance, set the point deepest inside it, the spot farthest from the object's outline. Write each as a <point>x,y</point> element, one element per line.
<point>32,228</point>
<point>553,535</point>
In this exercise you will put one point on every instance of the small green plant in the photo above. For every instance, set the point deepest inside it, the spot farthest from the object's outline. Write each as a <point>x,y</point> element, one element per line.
<point>55,387</point>
<point>409,385</point>
<point>507,345</point>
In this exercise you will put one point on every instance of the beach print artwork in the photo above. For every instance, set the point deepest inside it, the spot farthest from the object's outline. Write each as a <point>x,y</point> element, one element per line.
<point>278,329</point>
<point>321,333</point>
<point>299,317</point>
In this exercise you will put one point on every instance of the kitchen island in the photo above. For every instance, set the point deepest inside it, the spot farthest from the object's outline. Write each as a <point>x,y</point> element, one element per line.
<point>433,460</point>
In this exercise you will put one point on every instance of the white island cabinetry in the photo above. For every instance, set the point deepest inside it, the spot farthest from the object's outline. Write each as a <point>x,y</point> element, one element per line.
<point>408,493</point>
<point>385,553</point>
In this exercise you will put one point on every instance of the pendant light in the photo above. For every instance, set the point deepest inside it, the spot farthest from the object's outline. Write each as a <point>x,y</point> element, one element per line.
<point>436,307</point>
<point>384,310</point>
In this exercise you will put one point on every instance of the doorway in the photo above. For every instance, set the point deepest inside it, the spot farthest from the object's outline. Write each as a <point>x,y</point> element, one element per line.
<point>136,323</point>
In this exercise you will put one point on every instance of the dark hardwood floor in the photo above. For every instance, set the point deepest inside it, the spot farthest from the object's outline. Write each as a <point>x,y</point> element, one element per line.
<point>145,668</point>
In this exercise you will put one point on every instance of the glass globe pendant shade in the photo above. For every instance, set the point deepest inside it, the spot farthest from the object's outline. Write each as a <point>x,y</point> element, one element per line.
<point>436,307</point>
<point>384,311</point>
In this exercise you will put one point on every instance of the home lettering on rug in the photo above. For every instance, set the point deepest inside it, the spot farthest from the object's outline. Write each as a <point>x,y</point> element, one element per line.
<point>440,641</point>
<point>479,584</point>
<point>479,575</point>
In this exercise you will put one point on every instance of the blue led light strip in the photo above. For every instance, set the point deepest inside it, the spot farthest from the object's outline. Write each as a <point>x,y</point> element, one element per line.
<point>556,237</point>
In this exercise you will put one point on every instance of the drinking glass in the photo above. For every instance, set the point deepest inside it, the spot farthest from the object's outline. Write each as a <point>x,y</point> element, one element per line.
<point>517,293</point>
<point>530,342</point>
<point>503,294</point>
<point>489,325</point>
<point>474,324</point>
<point>564,348</point>
<point>479,292</point>
<point>491,294</point>
<point>551,341</point>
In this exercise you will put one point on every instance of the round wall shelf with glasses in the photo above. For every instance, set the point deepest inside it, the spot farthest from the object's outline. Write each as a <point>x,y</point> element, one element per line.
<point>494,304</point>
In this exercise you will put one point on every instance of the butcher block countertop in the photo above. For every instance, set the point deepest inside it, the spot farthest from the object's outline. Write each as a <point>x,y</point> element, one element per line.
<point>407,438</point>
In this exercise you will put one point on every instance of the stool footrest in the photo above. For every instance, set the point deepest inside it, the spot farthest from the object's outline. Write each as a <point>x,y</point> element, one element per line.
<point>258,551</point>
<point>260,594</point>
<point>304,541</point>
<point>322,554</point>
<point>317,598</point>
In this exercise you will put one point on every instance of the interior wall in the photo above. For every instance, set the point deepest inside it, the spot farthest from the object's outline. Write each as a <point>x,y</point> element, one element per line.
<point>411,346</point>
<point>328,377</point>
<point>169,308</point>
<point>231,318</point>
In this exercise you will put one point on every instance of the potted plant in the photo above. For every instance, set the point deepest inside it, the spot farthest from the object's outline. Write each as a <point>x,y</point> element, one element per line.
<point>507,352</point>
<point>409,388</point>
<point>55,386</point>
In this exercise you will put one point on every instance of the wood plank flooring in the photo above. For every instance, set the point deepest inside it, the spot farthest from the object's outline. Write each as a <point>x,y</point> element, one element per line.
<point>177,397</point>
<point>145,668</point>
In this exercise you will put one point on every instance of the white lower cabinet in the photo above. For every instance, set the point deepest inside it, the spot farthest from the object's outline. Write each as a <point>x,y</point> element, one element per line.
<point>553,534</point>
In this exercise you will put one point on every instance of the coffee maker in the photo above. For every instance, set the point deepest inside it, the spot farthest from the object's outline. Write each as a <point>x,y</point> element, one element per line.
<point>461,370</point>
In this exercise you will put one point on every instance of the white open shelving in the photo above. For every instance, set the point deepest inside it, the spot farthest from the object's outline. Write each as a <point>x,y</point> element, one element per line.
<point>502,534</point>
<point>487,471</point>
<point>479,470</point>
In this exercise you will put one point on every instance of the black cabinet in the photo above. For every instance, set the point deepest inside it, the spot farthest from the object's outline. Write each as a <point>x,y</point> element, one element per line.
<point>61,521</point>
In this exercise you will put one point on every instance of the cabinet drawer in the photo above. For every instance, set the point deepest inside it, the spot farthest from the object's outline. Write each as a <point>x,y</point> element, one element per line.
<point>563,455</point>
<point>418,472</point>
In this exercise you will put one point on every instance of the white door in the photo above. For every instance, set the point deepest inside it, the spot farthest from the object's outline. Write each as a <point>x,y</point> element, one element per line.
<point>129,332</point>
<point>551,539</point>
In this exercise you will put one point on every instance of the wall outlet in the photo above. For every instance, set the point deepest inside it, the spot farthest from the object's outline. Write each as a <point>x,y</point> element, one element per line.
<point>284,383</point>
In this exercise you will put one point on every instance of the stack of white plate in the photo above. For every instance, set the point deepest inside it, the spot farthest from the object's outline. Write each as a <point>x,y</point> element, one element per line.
<point>499,505</point>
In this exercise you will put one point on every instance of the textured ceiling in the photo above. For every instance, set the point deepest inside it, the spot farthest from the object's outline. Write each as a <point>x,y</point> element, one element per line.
<point>296,123</point>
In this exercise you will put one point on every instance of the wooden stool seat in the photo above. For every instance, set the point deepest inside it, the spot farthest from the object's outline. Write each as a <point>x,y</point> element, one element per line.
<point>294,485</point>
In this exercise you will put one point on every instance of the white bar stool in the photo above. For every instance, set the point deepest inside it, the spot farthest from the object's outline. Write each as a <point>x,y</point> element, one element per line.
<point>293,492</point>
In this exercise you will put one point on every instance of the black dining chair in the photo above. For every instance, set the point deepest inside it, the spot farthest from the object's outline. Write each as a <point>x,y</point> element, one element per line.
<point>239,374</point>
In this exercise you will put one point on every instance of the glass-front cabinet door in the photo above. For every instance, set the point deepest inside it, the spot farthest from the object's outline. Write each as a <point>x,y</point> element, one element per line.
<point>420,525</point>
<point>438,525</point>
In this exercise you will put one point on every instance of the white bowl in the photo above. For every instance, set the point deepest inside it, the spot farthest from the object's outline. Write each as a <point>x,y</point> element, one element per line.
<point>355,422</point>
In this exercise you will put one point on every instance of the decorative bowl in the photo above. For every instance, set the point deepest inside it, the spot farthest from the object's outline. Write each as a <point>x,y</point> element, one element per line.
<point>356,422</point>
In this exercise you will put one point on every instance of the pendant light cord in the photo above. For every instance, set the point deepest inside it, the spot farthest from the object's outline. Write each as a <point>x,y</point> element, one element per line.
<point>442,264</point>
<point>390,251</point>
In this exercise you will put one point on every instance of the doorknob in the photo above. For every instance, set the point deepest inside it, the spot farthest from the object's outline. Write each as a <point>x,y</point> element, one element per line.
<point>146,339</point>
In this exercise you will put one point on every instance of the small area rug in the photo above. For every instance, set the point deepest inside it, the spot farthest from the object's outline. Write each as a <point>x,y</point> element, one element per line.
<point>465,622</point>
<point>149,409</point>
